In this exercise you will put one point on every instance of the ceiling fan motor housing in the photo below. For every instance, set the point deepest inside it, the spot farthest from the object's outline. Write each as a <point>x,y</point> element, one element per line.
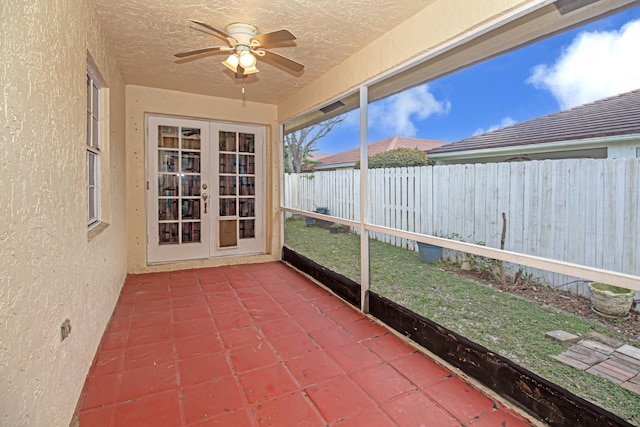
<point>241,32</point>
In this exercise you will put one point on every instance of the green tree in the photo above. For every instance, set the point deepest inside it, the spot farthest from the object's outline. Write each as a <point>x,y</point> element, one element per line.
<point>398,158</point>
<point>298,145</point>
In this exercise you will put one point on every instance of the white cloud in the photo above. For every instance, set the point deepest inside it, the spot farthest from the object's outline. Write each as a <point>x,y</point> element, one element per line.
<point>397,114</point>
<point>595,65</point>
<point>352,118</point>
<point>507,121</point>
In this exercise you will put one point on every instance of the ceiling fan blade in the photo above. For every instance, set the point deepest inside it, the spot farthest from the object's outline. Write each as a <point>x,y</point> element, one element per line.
<point>199,51</point>
<point>209,27</point>
<point>273,37</point>
<point>282,60</point>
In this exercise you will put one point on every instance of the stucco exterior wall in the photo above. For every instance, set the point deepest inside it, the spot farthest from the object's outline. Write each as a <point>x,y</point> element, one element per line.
<point>50,271</point>
<point>437,23</point>
<point>142,100</point>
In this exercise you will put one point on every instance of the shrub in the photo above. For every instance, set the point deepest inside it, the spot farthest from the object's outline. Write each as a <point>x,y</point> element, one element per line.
<point>398,158</point>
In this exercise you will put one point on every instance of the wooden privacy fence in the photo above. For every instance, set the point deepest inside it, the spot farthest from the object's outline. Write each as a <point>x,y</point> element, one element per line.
<point>584,211</point>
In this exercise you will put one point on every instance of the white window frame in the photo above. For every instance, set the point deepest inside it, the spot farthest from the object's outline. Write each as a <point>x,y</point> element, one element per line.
<point>94,205</point>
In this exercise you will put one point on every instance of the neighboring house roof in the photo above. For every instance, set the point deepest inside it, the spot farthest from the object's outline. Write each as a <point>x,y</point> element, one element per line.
<point>350,157</point>
<point>316,157</point>
<point>613,116</point>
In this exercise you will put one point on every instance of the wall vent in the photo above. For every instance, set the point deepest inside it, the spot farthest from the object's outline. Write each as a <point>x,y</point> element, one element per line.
<point>567,6</point>
<point>331,107</point>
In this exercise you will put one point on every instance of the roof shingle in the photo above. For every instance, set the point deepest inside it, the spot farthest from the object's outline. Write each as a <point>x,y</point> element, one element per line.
<point>616,115</point>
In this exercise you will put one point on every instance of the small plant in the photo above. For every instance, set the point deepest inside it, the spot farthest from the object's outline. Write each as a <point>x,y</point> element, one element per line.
<point>525,278</point>
<point>463,259</point>
<point>489,267</point>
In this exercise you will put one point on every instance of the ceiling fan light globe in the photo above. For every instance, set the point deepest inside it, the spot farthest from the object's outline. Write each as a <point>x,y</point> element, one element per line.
<point>247,60</point>
<point>250,70</point>
<point>231,62</point>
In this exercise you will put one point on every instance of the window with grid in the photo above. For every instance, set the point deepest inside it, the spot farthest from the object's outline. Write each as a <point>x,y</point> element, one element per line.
<point>93,150</point>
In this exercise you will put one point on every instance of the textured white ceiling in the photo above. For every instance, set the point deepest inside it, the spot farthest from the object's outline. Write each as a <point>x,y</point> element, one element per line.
<point>145,34</point>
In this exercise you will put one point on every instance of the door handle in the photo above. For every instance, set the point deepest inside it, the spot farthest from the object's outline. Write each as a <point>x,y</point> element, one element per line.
<point>205,196</point>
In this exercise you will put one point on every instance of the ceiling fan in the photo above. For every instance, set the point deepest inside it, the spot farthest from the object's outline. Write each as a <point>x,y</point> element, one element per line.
<point>245,45</point>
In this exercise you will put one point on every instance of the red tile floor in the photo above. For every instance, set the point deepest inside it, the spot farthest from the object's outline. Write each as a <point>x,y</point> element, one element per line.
<point>261,345</point>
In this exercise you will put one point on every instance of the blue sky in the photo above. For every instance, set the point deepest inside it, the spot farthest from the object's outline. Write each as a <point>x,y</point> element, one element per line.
<point>588,63</point>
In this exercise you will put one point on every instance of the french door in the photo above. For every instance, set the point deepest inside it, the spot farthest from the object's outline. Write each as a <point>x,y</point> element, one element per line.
<point>205,189</point>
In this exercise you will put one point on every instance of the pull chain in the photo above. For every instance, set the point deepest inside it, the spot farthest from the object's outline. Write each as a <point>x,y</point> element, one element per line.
<point>243,83</point>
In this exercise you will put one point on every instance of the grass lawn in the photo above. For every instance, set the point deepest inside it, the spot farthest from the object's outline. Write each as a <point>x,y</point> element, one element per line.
<point>506,324</point>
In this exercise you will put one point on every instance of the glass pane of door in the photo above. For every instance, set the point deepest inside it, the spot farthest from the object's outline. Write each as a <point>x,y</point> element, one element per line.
<point>237,187</point>
<point>179,180</point>
<point>177,151</point>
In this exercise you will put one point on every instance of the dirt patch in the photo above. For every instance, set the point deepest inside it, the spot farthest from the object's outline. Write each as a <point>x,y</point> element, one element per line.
<point>558,300</point>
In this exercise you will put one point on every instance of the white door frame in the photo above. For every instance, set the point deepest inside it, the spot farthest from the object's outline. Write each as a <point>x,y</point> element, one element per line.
<point>184,196</point>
